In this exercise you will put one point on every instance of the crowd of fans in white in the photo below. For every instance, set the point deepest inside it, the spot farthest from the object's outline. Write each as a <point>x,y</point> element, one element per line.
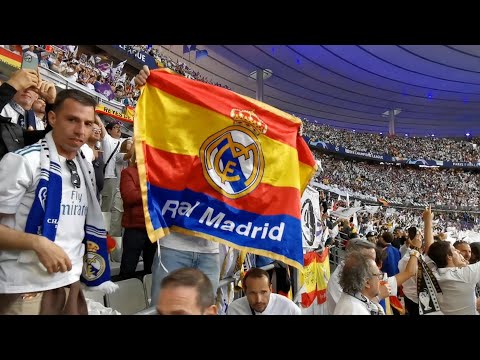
<point>403,147</point>
<point>401,185</point>
<point>376,219</point>
<point>94,71</point>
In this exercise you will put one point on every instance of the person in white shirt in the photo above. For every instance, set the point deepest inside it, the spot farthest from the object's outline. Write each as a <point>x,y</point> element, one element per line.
<point>334,290</point>
<point>259,299</point>
<point>360,280</point>
<point>111,146</point>
<point>41,265</point>
<point>456,280</point>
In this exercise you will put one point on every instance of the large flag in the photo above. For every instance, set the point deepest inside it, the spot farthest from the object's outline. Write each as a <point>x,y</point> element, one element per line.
<point>221,166</point>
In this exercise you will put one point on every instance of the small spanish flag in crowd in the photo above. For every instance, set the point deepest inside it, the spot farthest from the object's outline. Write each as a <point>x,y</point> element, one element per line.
<point>314,278</point>
<point>221,166</point>
<point>383,201</point>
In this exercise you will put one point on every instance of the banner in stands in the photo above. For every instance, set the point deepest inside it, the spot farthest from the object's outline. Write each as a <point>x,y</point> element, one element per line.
<point>312,229</point>
<point>445,164</point>
<point>129,112</point>
<point>9,58</point>
<point>337,191</point>
<point>321,145</point>
<point>102,109</point>
<point>208,164</point>
<point>141,56</point>
<point>341,150</point>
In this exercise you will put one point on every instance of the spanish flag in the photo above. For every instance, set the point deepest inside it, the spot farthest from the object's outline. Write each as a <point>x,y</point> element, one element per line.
<point>314,278</point>
<point>221,166</point>
<point>10,58</point>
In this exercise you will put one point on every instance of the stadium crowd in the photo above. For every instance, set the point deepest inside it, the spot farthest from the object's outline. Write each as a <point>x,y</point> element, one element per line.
<point>402,147</point>
<point>401,185</point>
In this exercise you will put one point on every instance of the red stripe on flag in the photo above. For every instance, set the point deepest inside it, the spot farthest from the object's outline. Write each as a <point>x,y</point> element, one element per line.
<point>167,170</point>
<point>207,96</point>
<point>304,153</point>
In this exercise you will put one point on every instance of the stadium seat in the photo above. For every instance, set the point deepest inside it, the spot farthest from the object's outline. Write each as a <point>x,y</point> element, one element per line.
<point>95,295</point>
<point>114,268</point>
<point>129,297</point>
<point>107,216</point>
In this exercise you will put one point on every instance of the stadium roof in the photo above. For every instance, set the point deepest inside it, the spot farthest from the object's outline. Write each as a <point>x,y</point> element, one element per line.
<point>436,87</point>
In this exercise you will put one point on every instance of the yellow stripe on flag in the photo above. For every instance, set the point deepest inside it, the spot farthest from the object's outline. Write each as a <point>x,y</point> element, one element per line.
<point>169,130</point>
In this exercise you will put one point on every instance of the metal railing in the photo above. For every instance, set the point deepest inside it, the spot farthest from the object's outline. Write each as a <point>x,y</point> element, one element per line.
<point>62,82</point>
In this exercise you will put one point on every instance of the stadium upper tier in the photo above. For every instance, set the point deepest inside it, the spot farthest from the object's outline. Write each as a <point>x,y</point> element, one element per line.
<point>401,147</point>
<point>435,88</point>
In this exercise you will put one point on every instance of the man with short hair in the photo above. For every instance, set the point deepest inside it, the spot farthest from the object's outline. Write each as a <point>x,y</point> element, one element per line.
<point>50,218</point>
<point>186,291</point>
<point>259,299</point>
<point>464,249</point>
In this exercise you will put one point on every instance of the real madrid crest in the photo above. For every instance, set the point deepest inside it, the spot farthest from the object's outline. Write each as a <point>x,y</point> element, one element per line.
<point>232,159</point>
<point>94,264</point>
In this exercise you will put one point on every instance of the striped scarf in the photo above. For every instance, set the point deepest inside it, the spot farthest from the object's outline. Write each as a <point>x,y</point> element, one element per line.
<point>428,289</point>
<point>45,212</point>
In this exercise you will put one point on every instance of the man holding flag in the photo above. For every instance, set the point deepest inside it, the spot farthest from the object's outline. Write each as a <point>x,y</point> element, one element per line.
<point>209,170</point>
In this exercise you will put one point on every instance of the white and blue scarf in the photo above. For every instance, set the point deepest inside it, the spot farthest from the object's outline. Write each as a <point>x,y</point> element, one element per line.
<point>46,206</point>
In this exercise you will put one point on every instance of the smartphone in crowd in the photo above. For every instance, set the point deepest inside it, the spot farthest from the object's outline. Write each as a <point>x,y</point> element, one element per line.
<point>30,61</point>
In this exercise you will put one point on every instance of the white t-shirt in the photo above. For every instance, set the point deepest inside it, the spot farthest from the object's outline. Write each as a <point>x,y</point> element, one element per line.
<point>350,305</point>
<point>21,271</point>
<point>277,305</point>
<point>109,144</point>
<point>183,242</point>
<point>458,288</point>
<point>335,291</point>
<point>39,124</point>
